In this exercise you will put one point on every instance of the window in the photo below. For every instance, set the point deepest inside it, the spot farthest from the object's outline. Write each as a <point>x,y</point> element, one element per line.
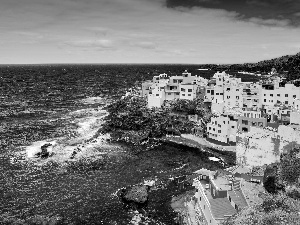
<point>278,95</point>
<point>264,94</point>
<point>217,93</point>
<point>182,89</point>
<point>224,122</point>
<point>177,93</point>
<point>228,97</point>
<point>286,102</point>
<point>294,96</point>
<point>214,129</point>
<point>189,95</point>
<point>228,89</point>
<point>208,91</point>
<point>232,126</point>
<point>245,122</point>
<point>209,128</point>
<point>169,93</point>
<point>278,101</point>
<point>254,124</point>
<point>286,95</point>
<point>260,124</point>
<point>183,94</point>
<point>245,129</point>
<point>271,95</point>
<point>237,97</point>
<point>221,93</point>
<point>219,131</point>
<point>237,89</point>
<point>190,90</point>
<point>229,199</point>
<point>219,125</point>
<point>157,94</point>
<point>265,100</point>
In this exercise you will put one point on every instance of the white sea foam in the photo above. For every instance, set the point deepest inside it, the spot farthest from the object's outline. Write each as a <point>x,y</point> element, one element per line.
<point>92,100</point>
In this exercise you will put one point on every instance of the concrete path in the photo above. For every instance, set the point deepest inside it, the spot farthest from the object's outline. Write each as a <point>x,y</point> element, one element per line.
<point>204,142</point>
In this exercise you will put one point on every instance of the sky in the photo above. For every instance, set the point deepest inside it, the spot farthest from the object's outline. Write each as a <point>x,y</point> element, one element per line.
<point>147,31</point>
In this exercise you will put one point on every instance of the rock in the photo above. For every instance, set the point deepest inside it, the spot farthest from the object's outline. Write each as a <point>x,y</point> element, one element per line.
<point>46,151</point>
<point>136,194</point>
<point>73,154</point>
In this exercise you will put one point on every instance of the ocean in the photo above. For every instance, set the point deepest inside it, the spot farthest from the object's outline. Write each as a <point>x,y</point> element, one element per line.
<point>63,104</point>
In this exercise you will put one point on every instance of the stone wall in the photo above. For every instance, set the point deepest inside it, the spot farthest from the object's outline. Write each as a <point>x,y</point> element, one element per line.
<point>263,146</point>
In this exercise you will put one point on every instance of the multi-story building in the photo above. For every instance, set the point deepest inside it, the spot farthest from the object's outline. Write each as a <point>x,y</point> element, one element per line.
<point>250,118</point>
<point>170,88</point>
<point>222,128</point>
<point>217,197</point>
<point>271,93</point>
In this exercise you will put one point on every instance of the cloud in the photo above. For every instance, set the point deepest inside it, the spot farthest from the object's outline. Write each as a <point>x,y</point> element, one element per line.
<point>105,44</point>
<point>145,45</point>
<point>270,22</point>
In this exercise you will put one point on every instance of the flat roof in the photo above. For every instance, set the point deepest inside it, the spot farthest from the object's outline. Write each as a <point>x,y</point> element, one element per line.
<point>222,183</point>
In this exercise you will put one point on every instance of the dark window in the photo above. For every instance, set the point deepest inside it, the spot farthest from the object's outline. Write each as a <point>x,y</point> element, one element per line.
<point>264,94</point>
<point>209,128</point>
<point>260,124</point>
<point>245,129</point>
<point>208,91</point>
<point>229,199</point>
<point>254,124</point>
<point>212,92</point>
<point>237,89</point>
<point>245,122</point>
<point>294,96</point>
<point>278,95</point>
<point>232,126</point>
<point>286,102</point>
<point>219,131</point>
<point>228,97</point>
<point>214,129</point>
<point>286,95</point>
<point>169,93</point>
<point>190,90</point>
<point>265,100</point>
<point>182,89</point>
<point>221,93</point>
<point>237,97</point>
<point>189,95</point>
<point>217,93</point>
<point>157,94</point>
<point>228,89</point>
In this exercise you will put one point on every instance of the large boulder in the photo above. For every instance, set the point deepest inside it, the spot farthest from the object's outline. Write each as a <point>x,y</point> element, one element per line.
<point>136,194</point>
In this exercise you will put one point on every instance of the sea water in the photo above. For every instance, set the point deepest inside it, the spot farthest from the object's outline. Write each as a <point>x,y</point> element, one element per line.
<point>63,105</point>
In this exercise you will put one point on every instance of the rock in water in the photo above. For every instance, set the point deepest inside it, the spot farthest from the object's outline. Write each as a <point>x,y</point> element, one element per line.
<point>45,153</point>
<point>137,194</point>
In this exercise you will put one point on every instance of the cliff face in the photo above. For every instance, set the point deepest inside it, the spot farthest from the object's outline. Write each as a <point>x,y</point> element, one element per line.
<point>263,146</point>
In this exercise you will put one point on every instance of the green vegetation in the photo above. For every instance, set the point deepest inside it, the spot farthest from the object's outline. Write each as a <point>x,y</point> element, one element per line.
<point>281,203</point>
<point>131,121</point>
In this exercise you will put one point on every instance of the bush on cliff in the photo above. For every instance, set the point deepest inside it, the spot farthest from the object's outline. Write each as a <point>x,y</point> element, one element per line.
<point>130,120</point>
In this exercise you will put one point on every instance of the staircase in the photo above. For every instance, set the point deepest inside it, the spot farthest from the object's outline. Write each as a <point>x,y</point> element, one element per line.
<point>237,185</point>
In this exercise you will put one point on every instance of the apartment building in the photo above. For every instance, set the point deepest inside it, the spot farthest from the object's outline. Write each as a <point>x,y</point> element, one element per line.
<point>250,118</point>
<point>170,88</point>
<point>222,128</point>
<point>217,197</point>
<point>271,93</point>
